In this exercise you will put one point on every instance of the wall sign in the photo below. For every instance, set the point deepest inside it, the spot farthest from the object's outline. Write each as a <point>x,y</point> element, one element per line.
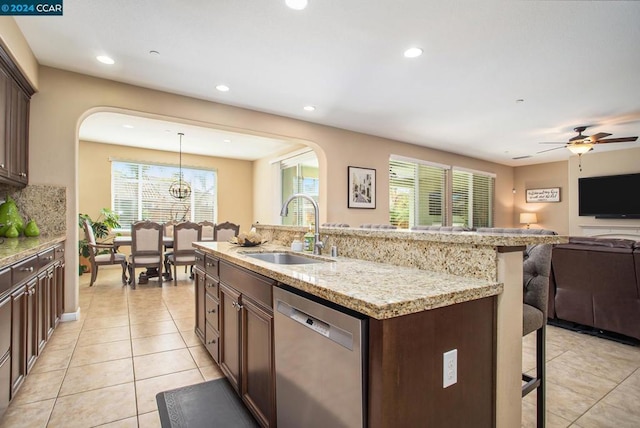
<point>551,194</point>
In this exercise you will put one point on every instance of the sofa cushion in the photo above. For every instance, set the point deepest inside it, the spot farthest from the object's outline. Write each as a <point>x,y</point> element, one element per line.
<point>602,242</point>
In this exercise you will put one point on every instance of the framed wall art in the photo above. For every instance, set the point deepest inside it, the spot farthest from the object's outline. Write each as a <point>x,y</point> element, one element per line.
<point>551,194</point>
<point>362,187</point>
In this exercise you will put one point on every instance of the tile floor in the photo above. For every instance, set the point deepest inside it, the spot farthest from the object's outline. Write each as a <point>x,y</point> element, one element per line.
<point>106,368</point>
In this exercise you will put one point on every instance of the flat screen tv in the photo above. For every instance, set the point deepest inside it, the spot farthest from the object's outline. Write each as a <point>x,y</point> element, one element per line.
<point>611,196</point>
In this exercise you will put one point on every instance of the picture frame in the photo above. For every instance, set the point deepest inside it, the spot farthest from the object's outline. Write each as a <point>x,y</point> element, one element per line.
<point>549,194</point>
<point>361,190</point>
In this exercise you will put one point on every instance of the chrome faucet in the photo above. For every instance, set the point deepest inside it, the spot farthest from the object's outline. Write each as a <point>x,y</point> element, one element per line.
<point>318,245</point>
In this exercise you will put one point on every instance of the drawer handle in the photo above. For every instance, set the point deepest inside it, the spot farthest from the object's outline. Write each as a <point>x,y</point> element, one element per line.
<point>211,342</point>
<point>210,285</point>
<point>2,165</point>
<point>59,250</point>
<point>27,269</point>
<point>210,264</point>
<point>23,174</point>
<point>48,258</point>
<point>212,311</point>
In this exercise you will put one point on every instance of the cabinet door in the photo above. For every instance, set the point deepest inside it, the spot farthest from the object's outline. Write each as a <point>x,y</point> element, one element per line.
<point>200,282</point>
<point>18,135</point>
<point>258,371</point>
<point>50,303</point>
<point>5,102</point>
<point>31,326</point>
<point>59,274</point>
<point>230,334</point>
<point>42,308</point>
<point>18,337</point>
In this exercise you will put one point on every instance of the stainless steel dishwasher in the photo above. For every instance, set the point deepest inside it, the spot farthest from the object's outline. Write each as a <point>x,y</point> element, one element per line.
<point>320,358</point>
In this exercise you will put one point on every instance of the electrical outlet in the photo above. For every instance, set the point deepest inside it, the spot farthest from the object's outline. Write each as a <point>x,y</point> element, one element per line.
<point>450,368</point>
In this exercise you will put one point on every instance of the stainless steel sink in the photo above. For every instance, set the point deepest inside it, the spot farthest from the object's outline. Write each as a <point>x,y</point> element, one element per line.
<point>284,258</point>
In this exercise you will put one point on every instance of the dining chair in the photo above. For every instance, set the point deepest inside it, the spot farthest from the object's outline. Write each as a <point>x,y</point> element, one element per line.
<point>183,254</point>
<point>168,231</point>
<point>102,254</point>
<point>225,231</point>
<point>207,230</point>
<point>146,248</point>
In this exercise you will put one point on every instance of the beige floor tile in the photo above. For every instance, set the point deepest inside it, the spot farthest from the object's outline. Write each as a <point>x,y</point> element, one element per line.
<point>147,389</point>
<point>604,416</point>
<point>131,422</point>
<point>529,418</point>
<point>96,407</point>
<point>149,420</point>
<point>39,386</point>
<point>32,415</point>
<point>52,359</point>
<point>60,340</point>
<point>95,376</point>
<point>563,402</point>
<point>201,356</point>
<point>92,354</point>
<point>162,363</point>
<point>186,324</point>
<point>153,329</point>
<point>579,380</point>
<point>151,344</point>
<point>609,367</point>
<point>106,312</point>
<point>190,338</point>
<point>106,322</point>
<point>144,317</point>
<point>182,312</point>
<point>625,397</point>
<point>69,326</point>
<point>211,372</point>
<point>103,335</point>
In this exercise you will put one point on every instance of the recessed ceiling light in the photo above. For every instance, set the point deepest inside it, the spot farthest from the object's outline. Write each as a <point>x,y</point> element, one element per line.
<point>222,88</point>
<point>309,108</point>
<point>128,126</point>
<point>296,4</point>
<point>413,52</point>
<point>154,53</point>
<point>105,59</point>
<point>226,141</point>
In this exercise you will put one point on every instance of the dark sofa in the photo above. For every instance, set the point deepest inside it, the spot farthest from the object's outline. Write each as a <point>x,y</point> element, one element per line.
<point>595,282</point>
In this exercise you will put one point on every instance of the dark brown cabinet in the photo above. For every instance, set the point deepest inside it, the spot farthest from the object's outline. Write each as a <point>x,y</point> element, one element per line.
<point>36,300</point>
<point>15,95</point>
<point>5,350</point>
<point>230,335</point>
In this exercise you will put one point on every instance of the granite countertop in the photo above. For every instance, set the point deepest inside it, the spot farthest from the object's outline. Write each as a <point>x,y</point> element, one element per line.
<point>15,249</point>
<point>377,290</point>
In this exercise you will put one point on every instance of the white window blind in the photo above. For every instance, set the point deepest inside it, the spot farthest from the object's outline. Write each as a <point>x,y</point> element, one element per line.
<point>300,174</point>
<point>416,194</point>
<point>472,198</point>
<point>141,191</point>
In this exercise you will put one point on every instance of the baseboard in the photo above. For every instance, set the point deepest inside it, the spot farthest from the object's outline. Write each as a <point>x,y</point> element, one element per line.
<point>591,331</point>
<point>70,316</point>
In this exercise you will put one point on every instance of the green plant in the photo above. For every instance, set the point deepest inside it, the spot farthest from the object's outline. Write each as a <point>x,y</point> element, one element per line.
<point>102,226</point>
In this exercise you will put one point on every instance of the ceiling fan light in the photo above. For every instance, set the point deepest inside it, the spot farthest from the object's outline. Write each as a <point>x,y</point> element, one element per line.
<point>581,148</point>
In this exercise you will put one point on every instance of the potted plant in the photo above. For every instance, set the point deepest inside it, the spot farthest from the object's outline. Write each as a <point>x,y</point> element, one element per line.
<point>102,226</point>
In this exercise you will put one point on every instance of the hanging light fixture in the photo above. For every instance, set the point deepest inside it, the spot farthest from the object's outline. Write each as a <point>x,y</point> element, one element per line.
<point>180,189</point>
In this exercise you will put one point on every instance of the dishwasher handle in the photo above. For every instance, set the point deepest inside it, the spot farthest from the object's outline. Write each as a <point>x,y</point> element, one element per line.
<point>331,332</point>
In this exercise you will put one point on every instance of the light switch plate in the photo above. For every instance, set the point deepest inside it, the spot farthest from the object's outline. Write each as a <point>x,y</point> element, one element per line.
<point>450,368</point>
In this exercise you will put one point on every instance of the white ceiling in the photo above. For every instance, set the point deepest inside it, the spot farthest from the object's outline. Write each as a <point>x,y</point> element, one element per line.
<point>572,62</point>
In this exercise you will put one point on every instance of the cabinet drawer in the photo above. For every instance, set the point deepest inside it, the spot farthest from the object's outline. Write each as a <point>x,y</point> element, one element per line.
<point>211,266</point>
<point>249,283</point>
<point>46,257</point>
<point>58,251</point>
<point>25,269</point>
<point>5,281</point>
<point>5,326</point>
<point>212,341</point>
<point>200,259</point>
<point>211,309</point>
<point>212,287</point>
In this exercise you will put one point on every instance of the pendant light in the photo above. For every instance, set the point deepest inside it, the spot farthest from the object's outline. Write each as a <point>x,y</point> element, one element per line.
<point>180,189</point>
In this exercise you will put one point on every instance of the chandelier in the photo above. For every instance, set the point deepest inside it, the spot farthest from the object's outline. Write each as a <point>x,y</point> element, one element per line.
<point>180,189</point>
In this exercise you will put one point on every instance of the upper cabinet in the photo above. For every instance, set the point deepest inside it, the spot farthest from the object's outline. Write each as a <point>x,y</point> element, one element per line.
<point>15,95</point>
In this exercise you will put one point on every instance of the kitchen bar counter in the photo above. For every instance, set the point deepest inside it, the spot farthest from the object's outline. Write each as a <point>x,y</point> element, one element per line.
<point>15,249</point>
<point>377,290</point>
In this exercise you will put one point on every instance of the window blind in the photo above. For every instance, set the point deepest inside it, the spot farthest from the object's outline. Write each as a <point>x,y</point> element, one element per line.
<point>141,191</point>
<point>472,198</point>
<point>416,194</point>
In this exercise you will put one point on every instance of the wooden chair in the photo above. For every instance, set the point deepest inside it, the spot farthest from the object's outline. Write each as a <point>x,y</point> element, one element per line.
<point>207,230</point>
<point>110,257</point>
<point>168,231</point>
<point>225,231</point>
<point>146,248</point>
<point>185,234</point>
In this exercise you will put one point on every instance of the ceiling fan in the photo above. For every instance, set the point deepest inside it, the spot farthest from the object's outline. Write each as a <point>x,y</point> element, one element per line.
<point>581,144</point>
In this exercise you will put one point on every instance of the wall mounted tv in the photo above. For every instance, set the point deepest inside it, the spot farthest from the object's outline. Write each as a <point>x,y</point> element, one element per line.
<point>611,196</point>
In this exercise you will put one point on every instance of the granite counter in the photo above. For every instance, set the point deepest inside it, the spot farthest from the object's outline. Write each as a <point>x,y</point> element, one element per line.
<point>15,249</point>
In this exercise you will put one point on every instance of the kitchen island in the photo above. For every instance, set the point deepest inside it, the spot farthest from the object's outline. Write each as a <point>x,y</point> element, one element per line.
<point>415,315</point>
